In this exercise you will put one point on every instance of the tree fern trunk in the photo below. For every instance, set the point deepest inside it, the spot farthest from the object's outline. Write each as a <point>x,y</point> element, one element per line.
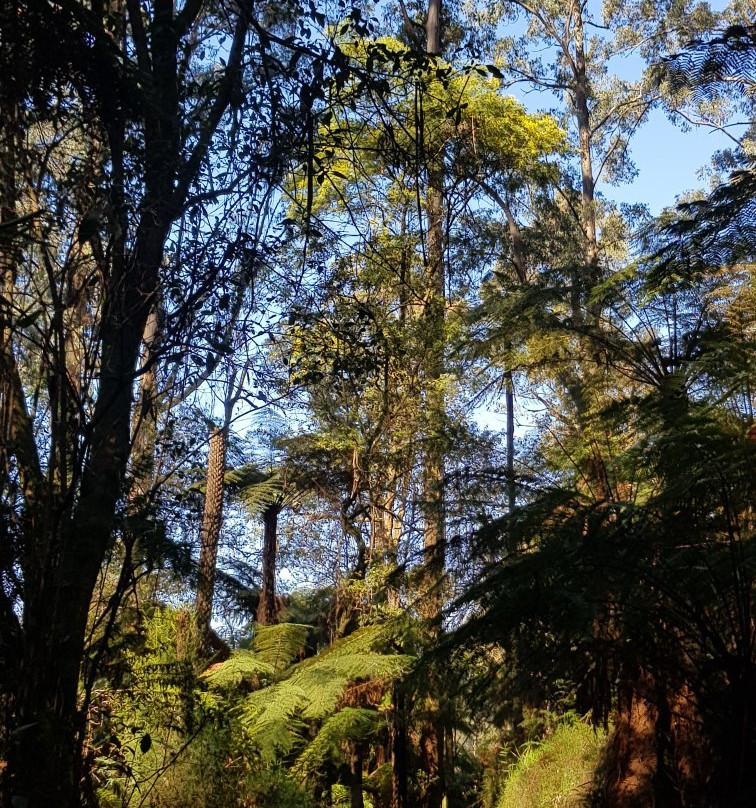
<point>267,609</point>
<point>212,520</point>
<point>633,755</point>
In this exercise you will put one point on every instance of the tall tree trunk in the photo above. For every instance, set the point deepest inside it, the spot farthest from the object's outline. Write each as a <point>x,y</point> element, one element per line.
<point>267,609</point>
<point>585,136</point>
<point>434,315</point>
<point>61,559</point>
<point>432,729</point>
<point>212,520</point>
<point>64,565</point>
<point>145,420</point>
<point>511,483</point>
<point>518,261</point>
<point>11,394</point>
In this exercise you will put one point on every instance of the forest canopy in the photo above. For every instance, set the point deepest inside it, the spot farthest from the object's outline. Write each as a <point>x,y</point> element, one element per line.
<point>357,446</point>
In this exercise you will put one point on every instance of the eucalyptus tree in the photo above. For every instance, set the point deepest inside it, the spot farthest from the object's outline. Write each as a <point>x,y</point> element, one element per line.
<point>566,52</point>
<point>368,356</point>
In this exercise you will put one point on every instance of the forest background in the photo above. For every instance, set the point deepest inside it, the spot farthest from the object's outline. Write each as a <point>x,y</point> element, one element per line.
<point>267,272</point>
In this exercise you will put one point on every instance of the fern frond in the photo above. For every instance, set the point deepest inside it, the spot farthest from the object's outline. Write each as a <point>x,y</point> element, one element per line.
<point>256,498</point>
<point>351,723</point>
<point>325,683</point>
<point>271,719</point>
<point>374,638</point>
<point>276,716</point>
<point>255,489</point>
<point>279,645</point>
<point>241,666</point>
<point>245,476</point>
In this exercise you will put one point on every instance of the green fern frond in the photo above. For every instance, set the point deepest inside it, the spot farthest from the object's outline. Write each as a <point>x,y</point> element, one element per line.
<point>245,476</point>
<point>256,498</point>
<point>342,798</point>
<point>241,666</point>
<point>255,489</point>
<point>374,638</point>
<point>275,717</point>
<point>326,682</point>
<point>369,666</point>
<point>357,657</point>
<point>279,645</point>
<point>351,723</point>
<point>270,718</point>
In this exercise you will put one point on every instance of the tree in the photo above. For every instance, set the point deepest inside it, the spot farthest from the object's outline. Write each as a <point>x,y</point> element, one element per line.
<point>125,131</point>
<point>212,520</point>
<point>363,356</point>
<point>658,401</point>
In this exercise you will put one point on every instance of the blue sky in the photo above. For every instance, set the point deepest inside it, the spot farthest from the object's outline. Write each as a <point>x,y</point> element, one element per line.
<point>668,161</point>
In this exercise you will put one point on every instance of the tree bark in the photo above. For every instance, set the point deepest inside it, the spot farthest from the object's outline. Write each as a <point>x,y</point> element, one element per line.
<point>145,420</point>
<point>434,311</point>
<point>267,609</point>
<point>588,184</point>
<point>434,316</point>
<point>212,521</point>
<point>633,756</point>
<point>518,261</point>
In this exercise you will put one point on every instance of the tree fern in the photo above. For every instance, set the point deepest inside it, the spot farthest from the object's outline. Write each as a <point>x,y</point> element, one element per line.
<point>271,720</point>
<point>351,723</point>
<point>274,718</point>
<point>274,650</point>
<point>326,682</point>
<point>255,489</point>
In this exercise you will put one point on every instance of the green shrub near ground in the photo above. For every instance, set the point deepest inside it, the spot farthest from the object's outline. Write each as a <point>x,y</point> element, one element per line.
<point>558,771</point>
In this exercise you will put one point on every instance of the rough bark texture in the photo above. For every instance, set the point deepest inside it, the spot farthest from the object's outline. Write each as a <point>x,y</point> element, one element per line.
<point>432,758</point>
<point>267,609</point>
<point>634,756</point>
<point>582,114</point>
<point>693,755</point>
<point>212,521</point>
